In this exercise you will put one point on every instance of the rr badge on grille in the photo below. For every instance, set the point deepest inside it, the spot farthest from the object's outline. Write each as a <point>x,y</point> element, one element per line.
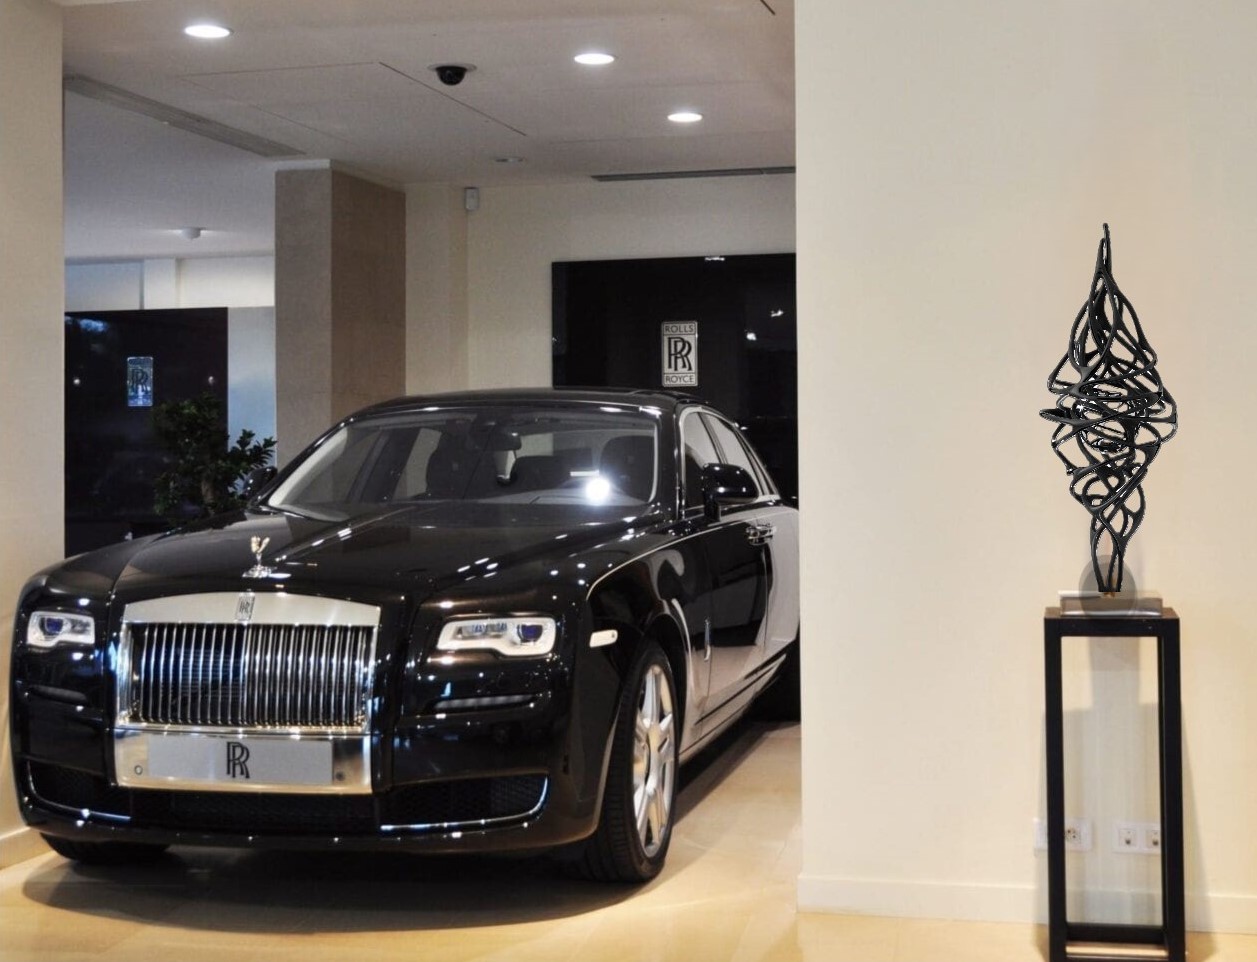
<point>259,570</point>
<point>244,607</point>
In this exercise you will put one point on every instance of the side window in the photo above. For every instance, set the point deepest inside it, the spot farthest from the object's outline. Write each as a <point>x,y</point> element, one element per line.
<point>732,448</point>
<point>698,450</point>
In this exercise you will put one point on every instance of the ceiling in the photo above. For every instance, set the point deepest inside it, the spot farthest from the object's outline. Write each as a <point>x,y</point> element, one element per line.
<point>350,82</point>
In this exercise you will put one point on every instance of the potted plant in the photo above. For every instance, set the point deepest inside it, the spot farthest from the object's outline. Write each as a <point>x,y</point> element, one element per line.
<point>206,472</point>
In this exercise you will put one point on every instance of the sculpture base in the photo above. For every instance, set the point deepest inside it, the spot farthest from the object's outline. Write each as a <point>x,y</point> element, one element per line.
<point>1092,604</point>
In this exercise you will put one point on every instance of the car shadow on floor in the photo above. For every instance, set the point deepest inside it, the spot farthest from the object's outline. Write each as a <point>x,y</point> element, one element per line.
<point>236,890</point>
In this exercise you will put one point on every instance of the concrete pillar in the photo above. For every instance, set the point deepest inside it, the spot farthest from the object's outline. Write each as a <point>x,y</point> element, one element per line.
<point>340,321</point>
<point>31,337</point>
<point>436,290</point>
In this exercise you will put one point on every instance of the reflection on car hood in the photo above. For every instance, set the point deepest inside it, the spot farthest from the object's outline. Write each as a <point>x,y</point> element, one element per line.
<point>401,546</point>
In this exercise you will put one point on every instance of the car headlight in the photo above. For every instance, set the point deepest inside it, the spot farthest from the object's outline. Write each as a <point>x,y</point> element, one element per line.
<point>506,636</point>
<point>47,629</point>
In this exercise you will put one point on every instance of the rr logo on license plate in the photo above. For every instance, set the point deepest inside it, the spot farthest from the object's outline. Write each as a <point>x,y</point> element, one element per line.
<point>237,760</point>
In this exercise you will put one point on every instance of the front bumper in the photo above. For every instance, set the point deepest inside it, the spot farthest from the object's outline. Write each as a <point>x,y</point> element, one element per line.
<point>503,781</point>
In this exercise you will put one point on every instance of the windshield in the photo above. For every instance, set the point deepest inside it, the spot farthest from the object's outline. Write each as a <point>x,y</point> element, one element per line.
<point>588,462</point>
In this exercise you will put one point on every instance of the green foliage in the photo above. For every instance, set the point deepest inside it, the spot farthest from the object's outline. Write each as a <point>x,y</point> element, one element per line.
<point>206,473</point>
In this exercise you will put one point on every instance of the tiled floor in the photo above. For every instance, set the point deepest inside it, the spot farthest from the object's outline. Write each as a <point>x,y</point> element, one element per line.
<point>726,894</point>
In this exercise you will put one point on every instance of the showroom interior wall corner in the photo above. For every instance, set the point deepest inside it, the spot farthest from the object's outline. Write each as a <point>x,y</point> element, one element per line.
<point>955,166</point>
<point>518,232</point>
<point>436,289</point>
<point>30,334</point>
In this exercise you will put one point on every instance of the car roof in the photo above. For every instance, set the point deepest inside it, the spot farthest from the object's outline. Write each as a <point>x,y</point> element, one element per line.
<point>637,397</point>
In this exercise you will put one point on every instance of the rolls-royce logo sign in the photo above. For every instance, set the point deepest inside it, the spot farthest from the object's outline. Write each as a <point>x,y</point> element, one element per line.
<point>680,354</point>
<point>244,607</point>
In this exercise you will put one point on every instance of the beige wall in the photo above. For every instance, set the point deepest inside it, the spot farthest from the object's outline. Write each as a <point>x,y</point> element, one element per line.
<point>340,300</point>
<point>436,289</point>
<point>956,162</point>
<point>518,232</point>
<point>30,333</point>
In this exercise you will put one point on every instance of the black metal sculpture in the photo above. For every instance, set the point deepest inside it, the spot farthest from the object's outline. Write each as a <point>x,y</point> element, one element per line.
<point>1111,418</point>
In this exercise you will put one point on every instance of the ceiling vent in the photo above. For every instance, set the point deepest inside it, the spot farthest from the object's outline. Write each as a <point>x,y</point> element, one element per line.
<point>117,97</point>
<point>691,174</point>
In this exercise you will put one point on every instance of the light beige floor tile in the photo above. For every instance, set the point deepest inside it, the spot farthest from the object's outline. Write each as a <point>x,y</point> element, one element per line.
<point>726,895</point>
<point>843,938</point>
<point>1221,947</point>
<point>926,940</point>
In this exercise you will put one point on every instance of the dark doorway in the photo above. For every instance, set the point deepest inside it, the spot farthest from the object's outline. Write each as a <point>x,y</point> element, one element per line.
<point>118,365</point>
<point>720,328</point>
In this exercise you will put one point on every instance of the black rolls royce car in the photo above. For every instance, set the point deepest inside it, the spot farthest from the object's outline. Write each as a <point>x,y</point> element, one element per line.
<point>491,621</point>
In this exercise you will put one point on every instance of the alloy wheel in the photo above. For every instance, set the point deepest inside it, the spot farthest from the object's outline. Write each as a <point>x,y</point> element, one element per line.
<point>654,760</point>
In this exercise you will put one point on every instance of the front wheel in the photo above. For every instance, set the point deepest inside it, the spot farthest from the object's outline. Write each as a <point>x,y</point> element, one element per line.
<point>637,805</point>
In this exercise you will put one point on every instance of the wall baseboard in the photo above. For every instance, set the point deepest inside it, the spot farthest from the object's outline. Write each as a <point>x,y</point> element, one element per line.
<point>19,845</point>
<point>990,903</point>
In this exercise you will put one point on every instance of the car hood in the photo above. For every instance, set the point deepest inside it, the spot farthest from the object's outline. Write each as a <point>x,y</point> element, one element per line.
<point>414,548</point>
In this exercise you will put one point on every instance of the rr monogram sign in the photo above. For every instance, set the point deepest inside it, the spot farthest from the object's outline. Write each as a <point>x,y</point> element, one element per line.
<point>237,760</point>
<point>680,354</point>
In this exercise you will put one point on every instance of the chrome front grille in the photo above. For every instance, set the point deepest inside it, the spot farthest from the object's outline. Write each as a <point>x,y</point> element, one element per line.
<point>249,676</point>
<point>272,674</point>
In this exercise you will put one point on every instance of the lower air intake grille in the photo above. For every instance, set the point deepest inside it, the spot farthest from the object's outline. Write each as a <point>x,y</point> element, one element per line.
<point>430,806</point>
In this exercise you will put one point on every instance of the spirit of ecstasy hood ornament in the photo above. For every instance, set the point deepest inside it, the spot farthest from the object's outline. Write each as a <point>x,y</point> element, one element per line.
<point>259,570</point>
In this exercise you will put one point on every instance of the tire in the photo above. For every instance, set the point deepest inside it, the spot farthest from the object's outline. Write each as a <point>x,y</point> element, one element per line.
<point>780,700</point>
<point>639,798</point>
<point>103,853</point>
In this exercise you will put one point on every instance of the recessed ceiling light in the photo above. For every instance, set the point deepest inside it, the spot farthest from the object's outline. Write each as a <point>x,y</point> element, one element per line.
<point>594,58</point>
<point>191,233</point>
<point>685,117</point>
<point>206,31</point>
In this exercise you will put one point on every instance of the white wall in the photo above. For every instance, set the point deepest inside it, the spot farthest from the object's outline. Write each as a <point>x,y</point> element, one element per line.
<point>519,231</point>
<point>243,285</point>
<point>106,286</point>
<point>31,331</point>
<point>956,163</point>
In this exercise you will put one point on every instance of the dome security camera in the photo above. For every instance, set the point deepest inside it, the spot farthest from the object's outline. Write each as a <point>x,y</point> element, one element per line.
<point>452,74</point>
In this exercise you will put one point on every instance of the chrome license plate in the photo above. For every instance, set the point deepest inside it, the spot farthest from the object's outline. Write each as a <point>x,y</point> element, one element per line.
<point>239,762</point>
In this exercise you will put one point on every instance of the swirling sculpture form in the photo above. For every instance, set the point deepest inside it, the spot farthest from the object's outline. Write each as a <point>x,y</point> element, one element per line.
<point>1112,416</point>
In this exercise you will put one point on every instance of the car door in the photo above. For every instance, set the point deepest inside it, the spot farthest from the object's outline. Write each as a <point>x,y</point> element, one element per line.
<point>777,525</point>
<point>738,565</point>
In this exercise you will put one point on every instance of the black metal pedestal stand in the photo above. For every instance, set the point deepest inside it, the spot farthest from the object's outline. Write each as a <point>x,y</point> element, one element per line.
<point>1079,940</point>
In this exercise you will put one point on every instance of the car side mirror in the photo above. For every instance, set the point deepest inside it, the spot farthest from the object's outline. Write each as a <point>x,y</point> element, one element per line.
<point>256,480</point>
<point>726,485</point>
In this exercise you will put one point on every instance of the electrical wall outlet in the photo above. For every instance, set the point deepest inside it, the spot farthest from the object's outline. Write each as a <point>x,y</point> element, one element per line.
<point>1078,835</point>
<point>1126,837</point>
<point>1137,838</point>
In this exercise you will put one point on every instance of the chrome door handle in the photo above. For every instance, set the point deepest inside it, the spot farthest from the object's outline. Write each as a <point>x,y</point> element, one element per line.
<point>758,533</point>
